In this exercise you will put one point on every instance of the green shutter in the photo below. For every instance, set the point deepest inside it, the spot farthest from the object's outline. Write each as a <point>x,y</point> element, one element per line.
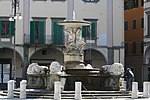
<point>32,37</point>
<point>84,32</point>
<point>61,34</point>
<point>42,32</point>
<point>93,30</point>
<point>58,34</point>
<point>54,28</point>
<point>12,28</point>
<point>0,27</point>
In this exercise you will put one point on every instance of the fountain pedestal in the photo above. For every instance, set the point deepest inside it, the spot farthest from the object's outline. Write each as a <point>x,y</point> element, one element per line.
<point>72,60</point>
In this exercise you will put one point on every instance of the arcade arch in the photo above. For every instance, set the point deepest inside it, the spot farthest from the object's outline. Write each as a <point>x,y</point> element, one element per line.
<point>94,57</point>
<point>45,56</point>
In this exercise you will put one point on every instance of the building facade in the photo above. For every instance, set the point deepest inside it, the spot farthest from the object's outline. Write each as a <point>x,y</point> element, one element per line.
<point>134,33</point>
<point>146,69</point>
<point>39,38</point>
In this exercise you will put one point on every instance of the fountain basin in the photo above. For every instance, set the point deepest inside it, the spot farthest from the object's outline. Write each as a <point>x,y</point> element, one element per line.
<point>74,23</point>
<point>93,83</point>
<point>82,71</point>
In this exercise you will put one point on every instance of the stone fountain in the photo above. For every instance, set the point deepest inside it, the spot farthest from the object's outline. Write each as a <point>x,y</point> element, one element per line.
<point>105,78</point>
<point>76,70</point>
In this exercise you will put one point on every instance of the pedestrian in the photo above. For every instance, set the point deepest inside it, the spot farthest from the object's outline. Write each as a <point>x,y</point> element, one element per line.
<point>129,78</point>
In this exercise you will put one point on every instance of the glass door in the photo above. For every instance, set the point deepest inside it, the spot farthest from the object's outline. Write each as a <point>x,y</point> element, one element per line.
<point>5,73</point>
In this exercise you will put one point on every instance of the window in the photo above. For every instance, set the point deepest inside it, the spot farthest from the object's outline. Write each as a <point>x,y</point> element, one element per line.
<point>142,22</point>
<point>126,25</point>
<point>134,3</point>
<point>142,47</point>
<point>126,5</point>
<point>90,32</point>
<point>37,31</point>
<point>92,1</point>
<point>7,28</point>
<point>57,32</point>
<point>134,48</point>
<point>142,3</point>
<point>126,49</point>
<point>134,24</point>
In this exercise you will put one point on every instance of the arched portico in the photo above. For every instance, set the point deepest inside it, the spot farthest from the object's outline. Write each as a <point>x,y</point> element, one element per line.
<point>94,57</point>
<point>7,69</point>
<point>147,55</point>
<point>146,67</point>
<point>45,56</point>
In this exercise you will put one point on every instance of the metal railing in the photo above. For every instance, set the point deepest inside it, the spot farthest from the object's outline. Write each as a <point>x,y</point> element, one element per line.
<point>48,39</point>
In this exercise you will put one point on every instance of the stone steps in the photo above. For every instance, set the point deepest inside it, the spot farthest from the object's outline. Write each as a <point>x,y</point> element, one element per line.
<point>70,94</point>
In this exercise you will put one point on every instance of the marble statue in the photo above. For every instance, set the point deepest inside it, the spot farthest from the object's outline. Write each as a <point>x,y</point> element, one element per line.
<point>75,40</point>
<point>70,44</point>
<point>34,68</point>
<point>114,69</point>
<point>79,40</point>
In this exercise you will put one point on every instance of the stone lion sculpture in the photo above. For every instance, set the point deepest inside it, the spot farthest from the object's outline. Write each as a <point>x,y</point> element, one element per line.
<point>55,68</point>
<point>34,68</point>
<point>114,69</point>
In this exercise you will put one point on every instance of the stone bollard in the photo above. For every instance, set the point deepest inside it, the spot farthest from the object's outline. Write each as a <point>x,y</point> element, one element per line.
<point>11,84</point>
<point>145,89</point>
<point>23,85</point>
<point>78,95</point>
<point>149,88</point>
<point>124,85</point>
<point>134,90</point>
<point>57,91</point>
<point>10,88</point>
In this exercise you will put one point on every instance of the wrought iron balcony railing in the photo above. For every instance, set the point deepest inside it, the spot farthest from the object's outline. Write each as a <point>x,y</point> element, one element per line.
<point>46,39</point>
<point>49,39</point>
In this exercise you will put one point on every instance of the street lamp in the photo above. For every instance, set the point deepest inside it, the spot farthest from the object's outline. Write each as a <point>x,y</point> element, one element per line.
<point>15,14</point>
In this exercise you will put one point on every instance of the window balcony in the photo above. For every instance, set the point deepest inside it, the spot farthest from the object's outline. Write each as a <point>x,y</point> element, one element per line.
<point>45,40</point>
<point>6,40</point>
<point>90,42</point>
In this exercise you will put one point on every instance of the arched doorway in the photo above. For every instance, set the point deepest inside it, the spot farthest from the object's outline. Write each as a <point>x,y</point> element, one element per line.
<point>7,70</point>
<point>146,67</point>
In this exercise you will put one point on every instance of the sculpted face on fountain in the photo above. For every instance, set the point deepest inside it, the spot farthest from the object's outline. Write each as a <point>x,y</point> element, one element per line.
<point>56,68</point>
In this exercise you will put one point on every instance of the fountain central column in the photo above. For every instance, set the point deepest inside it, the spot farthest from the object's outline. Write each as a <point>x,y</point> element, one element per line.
<point>74,43</point>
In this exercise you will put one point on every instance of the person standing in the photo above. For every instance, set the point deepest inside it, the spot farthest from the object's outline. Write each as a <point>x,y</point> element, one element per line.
<point>130,78</point>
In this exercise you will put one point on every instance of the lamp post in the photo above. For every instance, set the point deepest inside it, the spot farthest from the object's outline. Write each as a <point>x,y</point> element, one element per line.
<point>14,15</point>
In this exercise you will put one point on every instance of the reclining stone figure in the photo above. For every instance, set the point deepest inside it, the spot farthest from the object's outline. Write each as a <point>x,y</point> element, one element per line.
<point>114,69</point>
<point>34,68</point>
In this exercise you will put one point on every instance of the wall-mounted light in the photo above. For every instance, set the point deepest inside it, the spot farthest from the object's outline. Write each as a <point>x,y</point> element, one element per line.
<point>11,18</point>
<point>18,16</point>
<point>15,11</point>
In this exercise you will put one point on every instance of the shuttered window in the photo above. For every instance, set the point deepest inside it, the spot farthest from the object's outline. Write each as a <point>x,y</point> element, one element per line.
<point>7,28</point>
<point>57,32</point>
<point>90,32</point>
<point>37,32</point>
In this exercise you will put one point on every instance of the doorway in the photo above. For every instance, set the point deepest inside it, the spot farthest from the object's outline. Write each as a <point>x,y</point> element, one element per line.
<point>5,72</point>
